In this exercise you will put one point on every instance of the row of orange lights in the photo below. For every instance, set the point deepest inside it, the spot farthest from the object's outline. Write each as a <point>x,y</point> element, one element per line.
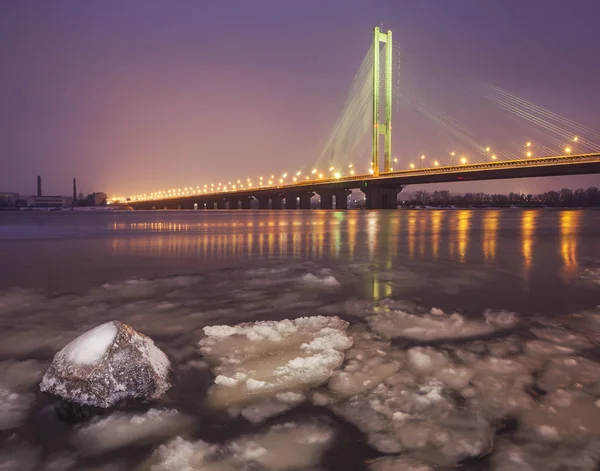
<point>314,175</point>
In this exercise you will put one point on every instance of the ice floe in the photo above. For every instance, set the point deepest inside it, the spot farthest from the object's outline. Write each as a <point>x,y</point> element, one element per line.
<point>436,325</point>
<point>255,360</point>
<point>327,280</point>
<point>14,408</point>
<point>288,446</point>
<point>107,365</point>
<point>399,463</point>
<point>123,429</point>
<point>368,362</point>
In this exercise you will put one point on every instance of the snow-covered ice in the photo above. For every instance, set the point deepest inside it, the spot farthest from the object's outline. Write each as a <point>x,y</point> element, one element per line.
<point>288,446</point>
<point>123,429</point>
<point>106,365</point>
<point>369,361</point>
<point>254,360</point>
<point>404,414</point>
<point>434,326</point>
<point>14,408</point>
<point>399,463</point>
<point>327,280</point>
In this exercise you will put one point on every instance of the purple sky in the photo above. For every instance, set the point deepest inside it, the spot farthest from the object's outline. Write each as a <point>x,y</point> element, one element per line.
<point>131,96</point>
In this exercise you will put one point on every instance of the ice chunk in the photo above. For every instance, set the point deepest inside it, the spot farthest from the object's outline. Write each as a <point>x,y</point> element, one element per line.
<point>16,398</point>
<point>510,456</point>
<point>327,280</point>
<point>499,386</point>
<point>369,362</point>
<point>256,360</point>
<point>21,375</point>
<point>284,447</point>
<point>14,408</point>
<point>131,366</point>
<point>562,337</point>
<point>404,414</point>
<point>182,455</point>
<point>425,360</point>
<point>288,446</point>
<point>427,327</point>
<point>399,463</point>
<point>591,275</point>
<point>17,456</point>
<point>571,417</point>
<point>120,429</point>
<point>565,372</point>
<point>501,319</point>
<point>262,410</point>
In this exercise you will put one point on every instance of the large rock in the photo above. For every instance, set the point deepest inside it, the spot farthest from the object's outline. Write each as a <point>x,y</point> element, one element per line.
<point>107,365</point>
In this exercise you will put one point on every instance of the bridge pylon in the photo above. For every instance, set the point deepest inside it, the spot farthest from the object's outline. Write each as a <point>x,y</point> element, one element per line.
<point>382,128</point>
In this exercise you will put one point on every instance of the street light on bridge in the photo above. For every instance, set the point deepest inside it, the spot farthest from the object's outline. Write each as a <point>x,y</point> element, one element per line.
<point>463,160</point>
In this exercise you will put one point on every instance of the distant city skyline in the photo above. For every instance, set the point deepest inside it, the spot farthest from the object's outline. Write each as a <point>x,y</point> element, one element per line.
<point>133,96</point>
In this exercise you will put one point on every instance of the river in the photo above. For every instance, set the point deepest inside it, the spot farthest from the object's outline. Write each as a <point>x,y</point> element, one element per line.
<point>168,274</point>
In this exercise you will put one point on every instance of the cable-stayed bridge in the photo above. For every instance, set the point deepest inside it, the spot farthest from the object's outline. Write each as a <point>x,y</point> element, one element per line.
<point>358,153</point>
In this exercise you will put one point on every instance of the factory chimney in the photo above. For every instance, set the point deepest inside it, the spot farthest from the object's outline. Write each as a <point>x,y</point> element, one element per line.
<point>39,192</point>
<point>74,192</point>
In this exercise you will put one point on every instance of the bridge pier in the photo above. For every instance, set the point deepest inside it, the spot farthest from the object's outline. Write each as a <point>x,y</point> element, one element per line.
<point>305,199</point>
<point>245,202</point>
<point>276,202</point>
<point>222,203</point>
<point>290,200</point>
<point>326,199</point>
<point>263,201</point>
<point>341,198</point>
<point>379,196</point>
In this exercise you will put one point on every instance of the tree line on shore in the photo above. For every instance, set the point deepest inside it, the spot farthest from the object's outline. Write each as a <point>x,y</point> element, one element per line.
<point>565,198</point>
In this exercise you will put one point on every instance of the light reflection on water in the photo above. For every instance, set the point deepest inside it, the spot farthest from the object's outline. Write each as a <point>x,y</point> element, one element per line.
<point>569,226</point>
<point>463,236</point>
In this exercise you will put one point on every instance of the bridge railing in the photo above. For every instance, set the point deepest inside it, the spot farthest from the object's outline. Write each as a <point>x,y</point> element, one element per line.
<point>497,164</point>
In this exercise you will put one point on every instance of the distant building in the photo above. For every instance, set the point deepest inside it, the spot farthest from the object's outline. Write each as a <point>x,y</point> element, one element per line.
<point>97,199</point>
<point>52,201</point>
<point>8,200</point>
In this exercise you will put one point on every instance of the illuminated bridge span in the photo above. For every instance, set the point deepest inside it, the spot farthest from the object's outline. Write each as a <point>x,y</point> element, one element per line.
<point>381,192</point>
<point>382,183</point>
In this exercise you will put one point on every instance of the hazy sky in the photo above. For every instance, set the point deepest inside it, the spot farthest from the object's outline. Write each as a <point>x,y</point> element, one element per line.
<point>132,96</point>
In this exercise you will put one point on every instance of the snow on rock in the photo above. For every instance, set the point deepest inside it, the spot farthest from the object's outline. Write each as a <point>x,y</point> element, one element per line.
<point>289,446</point>
<point>368,363</point>
<point>327,280</point>
<point>428,327</point>
<point>260,359</point>
<point>90,347</point>
<point>107,365</point>
<point>119,430</point>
